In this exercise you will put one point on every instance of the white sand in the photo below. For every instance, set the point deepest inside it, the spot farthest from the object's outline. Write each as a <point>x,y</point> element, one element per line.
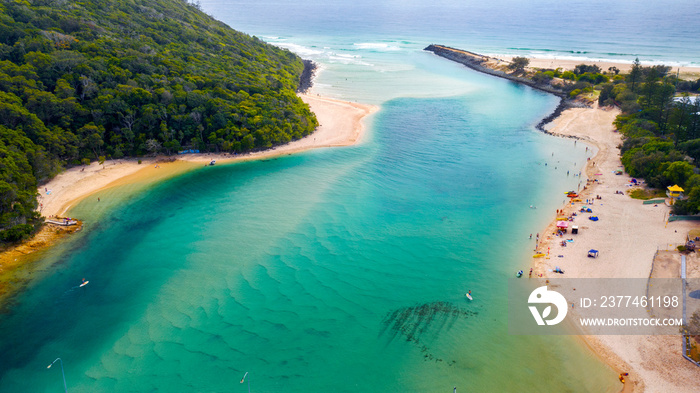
<point>627,236</point>
<point>340,124</point>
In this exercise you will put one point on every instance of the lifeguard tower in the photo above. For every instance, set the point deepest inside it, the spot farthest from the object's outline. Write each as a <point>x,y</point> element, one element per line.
<point>675,193</point>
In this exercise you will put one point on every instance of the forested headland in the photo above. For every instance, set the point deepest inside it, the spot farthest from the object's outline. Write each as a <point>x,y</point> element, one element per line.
<point>93,80</point>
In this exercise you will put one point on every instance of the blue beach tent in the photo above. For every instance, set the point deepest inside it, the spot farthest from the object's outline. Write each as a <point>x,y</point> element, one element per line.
<point>593,253</point>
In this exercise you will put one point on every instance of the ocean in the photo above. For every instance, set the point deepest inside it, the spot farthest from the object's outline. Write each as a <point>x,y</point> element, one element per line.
<point>341,269</point>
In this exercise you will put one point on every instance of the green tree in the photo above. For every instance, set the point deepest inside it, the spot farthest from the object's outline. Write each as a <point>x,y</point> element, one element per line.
<point>587,68</point>
<point>635,74</point>
<point>568,75</point>
<point>606,97</point>
<point>691,148</point>
<point>542,78</point>
<point>678,172</point>
<point>153,146</point>
<point>518,64</point>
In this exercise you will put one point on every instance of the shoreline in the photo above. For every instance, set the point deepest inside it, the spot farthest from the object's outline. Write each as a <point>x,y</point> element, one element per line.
<point>628,231</point>
<point>341,123</point>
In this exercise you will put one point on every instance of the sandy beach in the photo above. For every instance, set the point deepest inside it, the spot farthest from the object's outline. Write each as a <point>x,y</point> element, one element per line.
<point>627,236</point>
<point>688,73</point>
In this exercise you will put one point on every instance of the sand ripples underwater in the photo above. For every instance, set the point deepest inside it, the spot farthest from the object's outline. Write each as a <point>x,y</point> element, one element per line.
<point>341,269</point>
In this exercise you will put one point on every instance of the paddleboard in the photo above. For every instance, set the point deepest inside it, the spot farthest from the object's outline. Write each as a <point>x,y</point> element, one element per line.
<point>469,297</point>
<point>84,283</point>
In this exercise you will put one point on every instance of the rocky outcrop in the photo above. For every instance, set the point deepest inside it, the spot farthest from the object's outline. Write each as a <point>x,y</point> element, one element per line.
<point>307,76</point>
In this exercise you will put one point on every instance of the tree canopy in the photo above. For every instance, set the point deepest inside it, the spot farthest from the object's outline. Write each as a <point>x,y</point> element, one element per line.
<point>518,63</point>
<point>90,79</point>
<point>661,134</point>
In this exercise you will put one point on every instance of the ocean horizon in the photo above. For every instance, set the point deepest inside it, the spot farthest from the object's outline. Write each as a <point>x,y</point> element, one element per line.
<point>342,269</point>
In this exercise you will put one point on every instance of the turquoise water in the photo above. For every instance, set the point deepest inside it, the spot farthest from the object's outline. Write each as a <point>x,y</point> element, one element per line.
<point>337,269</point>
<point>318,271</point>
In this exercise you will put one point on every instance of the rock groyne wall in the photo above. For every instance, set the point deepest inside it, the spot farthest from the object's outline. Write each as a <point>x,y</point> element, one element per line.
<point>478,62</point>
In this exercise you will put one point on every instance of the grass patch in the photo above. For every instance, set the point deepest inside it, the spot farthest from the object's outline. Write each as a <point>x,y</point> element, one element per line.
<point>644,193</point>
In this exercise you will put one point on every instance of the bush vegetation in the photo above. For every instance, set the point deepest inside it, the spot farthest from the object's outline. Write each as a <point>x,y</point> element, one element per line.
<point>583,79</point>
